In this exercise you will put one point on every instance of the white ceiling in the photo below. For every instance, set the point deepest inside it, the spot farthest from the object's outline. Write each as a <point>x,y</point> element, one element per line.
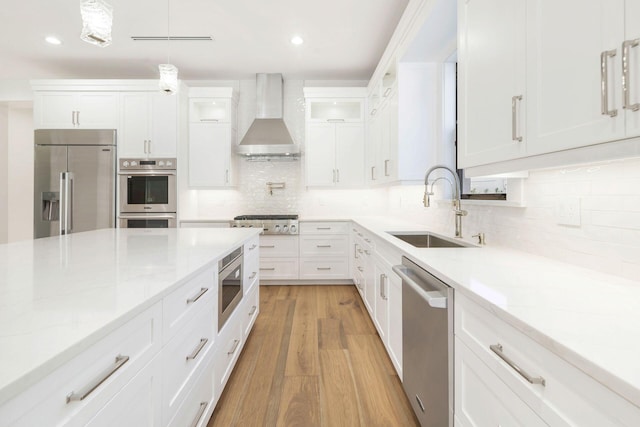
<point>344,39</point>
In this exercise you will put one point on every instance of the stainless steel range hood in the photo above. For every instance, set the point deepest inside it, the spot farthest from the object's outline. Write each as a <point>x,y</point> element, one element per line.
<point>268,135</point>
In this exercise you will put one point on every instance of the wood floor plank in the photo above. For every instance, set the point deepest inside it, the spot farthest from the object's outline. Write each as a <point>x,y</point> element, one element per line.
<point>300,403</point>
<point>339,398</point>
<point>265,389</point>
<point>302,357</point>
<point>331,335</point>
<point>379,406</point>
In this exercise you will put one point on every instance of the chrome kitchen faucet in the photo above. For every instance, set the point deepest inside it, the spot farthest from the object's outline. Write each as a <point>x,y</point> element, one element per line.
<point>456,195</point>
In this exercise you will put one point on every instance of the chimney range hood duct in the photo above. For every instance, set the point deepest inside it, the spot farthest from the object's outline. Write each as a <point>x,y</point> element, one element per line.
<point>268,135</point>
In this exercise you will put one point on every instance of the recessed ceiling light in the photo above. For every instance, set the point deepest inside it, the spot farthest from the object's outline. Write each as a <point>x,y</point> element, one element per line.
<point>52,40</point>
<point>297,40</point>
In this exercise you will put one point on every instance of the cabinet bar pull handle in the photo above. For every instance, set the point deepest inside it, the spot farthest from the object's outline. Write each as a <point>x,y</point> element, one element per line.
<point>198,349</point>
<point>150,147</point>
<point>253,310</point>
<point>253,275</point>
<point>323,228</point>
<point>355,251</point>
<point>386,92</point>
<point>235,346</point>
<point>514,118</point>
<point>209,120</point>
<point>335,120</point>
<point>201,411</point>
<point>77,118</point>
<point>604,83</point>
<point>334,175</point>
<point>367,252</point>
<point>86,391</point>
<point>373,173</point>
<point>337,175</point>
<point>268,269</point>
<point>197,296</point>
<point>367,240</point>
<point>386,167</point>
<point>324,268</point>
<point>360,250</point>
<point>626,75</point>
<point>268,246</point>
<point>383,292</point>
<point>497,349</point>
<point>360,234</point>
<point>374,111</point>
<point>253,247</point>
<point>323,246</point>
<point>226,176</point>
<point>360,269</point>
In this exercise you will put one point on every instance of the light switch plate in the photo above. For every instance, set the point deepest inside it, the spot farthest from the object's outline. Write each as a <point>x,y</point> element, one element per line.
<point>568,211</point>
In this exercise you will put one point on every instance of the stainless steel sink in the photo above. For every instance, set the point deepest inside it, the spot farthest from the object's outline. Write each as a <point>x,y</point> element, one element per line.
<point>429,240</point>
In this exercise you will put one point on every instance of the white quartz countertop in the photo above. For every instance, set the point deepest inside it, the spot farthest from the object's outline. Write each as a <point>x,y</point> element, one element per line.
<point>590,319</point>
<point>59,295</point>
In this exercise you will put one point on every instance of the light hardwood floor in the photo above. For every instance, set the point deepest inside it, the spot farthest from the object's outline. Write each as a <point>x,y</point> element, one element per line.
<point>314,358</point>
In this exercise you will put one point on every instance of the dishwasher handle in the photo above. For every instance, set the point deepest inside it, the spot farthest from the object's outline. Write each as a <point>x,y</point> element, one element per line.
<point>434,299</point>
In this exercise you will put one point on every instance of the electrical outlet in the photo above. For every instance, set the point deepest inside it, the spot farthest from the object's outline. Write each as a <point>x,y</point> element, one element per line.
<point>568,211</point>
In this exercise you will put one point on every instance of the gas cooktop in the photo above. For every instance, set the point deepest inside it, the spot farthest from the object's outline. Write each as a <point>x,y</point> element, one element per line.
<point>270,224</point>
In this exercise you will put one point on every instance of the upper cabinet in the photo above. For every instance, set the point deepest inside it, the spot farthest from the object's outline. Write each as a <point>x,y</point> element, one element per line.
<point>75,110</point>
<point>212,136</point>
<point>335,137</point>
<point>148,124</point>
<point>492,96</point>
<point>546,76</point>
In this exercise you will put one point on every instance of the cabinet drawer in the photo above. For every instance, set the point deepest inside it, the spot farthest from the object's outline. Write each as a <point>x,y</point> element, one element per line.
<point>278,268</point>
<point>324,268</point>
<point>324,246</point>
<point>180,305</point>
<point>228,348</point>
<point>324,227</point>
<point>137,404</point>
<point>96,374</point>
<point>196,408</point>
<point>278,246</point>
<point>185,354</point>
<point>569,396</point>
<point>251,308</point>
<point>481,399</point>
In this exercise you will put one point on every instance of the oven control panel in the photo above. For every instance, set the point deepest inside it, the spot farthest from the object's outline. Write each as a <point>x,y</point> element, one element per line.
<point>148,164</point>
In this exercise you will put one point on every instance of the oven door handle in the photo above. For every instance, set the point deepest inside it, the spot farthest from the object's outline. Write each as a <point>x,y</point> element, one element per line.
<point>147,216</point>
<point>148,173</point>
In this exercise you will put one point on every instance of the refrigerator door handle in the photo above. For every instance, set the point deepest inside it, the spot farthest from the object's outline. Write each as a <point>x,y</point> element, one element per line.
<point>70,179</point>
<point>63,203</point>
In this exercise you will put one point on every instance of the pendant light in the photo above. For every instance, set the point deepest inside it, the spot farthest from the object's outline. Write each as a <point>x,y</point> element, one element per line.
<point>97,18</point>
<point>168,72</point>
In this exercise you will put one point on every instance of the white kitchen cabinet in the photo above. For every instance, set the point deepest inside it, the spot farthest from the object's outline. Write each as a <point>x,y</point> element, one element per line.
<point>137,404</point>
<point>324,251</point>
<point>559,393</point>
<point>75,110</point>
<point>565,98</point>
<point>212,136</point>
<point>492,96</point>
<point>148,125</point>
<point>279,257</point>
<point>481,399</point>
<point>335,154</point>
<point>335,137</point>
<point>373,150</point>
<point>210,156</point>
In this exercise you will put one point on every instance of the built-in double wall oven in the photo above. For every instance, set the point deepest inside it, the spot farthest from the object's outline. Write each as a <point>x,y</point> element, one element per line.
<point>148,193</point>
<point>230,287</point>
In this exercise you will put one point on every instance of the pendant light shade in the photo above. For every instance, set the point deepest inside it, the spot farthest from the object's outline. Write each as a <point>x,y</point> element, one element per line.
<point>97,18</point>
<point>168,78</point>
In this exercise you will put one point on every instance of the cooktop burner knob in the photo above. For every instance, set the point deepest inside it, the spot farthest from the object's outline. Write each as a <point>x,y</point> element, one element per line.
<point>277,229</point>
<point>284,228</point>
<point>293,228</point>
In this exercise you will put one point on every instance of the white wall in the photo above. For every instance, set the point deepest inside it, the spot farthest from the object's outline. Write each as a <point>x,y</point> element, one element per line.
<point>607,240</point>
<point>4,175</point>
<point>20,173</point>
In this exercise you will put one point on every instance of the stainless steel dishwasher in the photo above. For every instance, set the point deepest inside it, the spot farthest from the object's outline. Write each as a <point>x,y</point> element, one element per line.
<point>427,344</point>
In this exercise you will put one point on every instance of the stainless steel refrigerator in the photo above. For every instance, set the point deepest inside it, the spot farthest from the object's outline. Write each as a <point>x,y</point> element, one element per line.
<point>75,181</point>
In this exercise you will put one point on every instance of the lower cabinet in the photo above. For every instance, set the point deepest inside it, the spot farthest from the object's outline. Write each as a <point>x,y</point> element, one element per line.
<point>279,257</point>
<point>324,251</point>
<point>137,404</point>
<point>491,391</point>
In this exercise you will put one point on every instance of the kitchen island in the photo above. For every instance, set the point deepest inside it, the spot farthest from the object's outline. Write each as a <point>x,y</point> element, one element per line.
<point>64,298</point>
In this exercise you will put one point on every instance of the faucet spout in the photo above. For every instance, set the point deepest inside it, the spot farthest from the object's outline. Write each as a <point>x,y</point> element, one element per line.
<point>459,213</point>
